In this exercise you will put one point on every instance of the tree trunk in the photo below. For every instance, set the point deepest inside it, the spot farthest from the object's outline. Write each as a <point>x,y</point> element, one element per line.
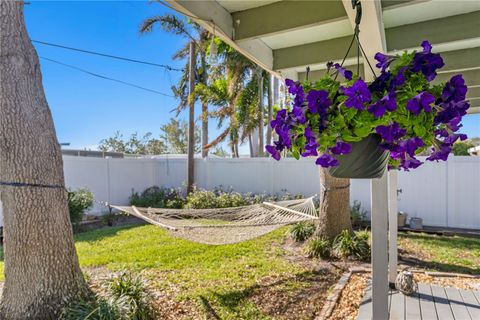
<point>271,85</point>
<point>191,120</point>
<point>334,205</point>
<point>250,144</point>
<point>204,115</point>
<point>260,115</point>
<point>41,265</point>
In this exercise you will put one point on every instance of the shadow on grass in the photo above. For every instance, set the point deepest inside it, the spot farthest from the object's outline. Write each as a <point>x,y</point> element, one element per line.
<point>99,234</point>
<point>439,266</point>
<point>453,242</point>
<point>283,295</point>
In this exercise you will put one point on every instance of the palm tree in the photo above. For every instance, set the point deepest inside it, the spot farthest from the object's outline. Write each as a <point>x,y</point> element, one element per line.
<point>201,37</point>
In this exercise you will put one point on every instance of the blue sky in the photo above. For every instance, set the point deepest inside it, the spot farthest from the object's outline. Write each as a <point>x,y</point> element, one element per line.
<point>87,109</point>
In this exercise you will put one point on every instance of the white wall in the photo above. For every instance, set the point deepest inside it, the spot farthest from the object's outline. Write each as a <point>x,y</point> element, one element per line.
<point>443,194</point>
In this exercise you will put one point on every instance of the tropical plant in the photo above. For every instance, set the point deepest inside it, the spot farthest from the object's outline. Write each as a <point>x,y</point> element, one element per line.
<point>301,231</point>
<point>319,247</point>
<point>92,309</point>
<point>157,197</point>
<point>401,106</point>
<point>349,245</point>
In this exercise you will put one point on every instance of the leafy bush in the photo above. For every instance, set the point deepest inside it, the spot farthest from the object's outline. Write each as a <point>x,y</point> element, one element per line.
<point>130,295</point>
<point>204,199</point>
<point>348,245</point>
<point>319,248</point>
<point>92,309</point>
<point>156,197</point>
<point>109,218</point>
<point>78,202</point>
<point>363,235</point>
<point>302,231</point>
<point>357,214</point>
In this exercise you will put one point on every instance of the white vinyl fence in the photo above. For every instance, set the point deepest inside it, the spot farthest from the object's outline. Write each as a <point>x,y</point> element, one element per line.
<point>443,194</point>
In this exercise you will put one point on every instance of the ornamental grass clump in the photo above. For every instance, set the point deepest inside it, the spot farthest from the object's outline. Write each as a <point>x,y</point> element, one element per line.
<point>319,247</point>
<point>402,106</point>
<point>302,231</point>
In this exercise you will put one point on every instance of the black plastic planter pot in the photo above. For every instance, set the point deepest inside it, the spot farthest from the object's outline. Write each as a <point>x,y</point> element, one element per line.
<point>366,161</point>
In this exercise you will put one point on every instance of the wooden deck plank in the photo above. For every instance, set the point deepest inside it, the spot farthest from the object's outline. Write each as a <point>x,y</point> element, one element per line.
<point>456,303</point>
<point>472,304</point>
<point>397,311</point>
<point>444,311</point>
<point>427,305</point>
<point>365,310</point>
<point>412,307</point>
<point>477,295</point>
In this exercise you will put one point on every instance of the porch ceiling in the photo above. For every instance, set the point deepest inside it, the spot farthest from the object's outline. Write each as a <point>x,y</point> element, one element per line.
<point>286,36</point>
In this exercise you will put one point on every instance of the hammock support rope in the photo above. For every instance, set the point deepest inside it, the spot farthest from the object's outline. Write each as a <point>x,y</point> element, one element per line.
<point>226,225</point>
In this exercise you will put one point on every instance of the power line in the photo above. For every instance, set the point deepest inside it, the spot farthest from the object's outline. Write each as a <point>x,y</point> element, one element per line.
<point>106,78</point>
<point>167,67</point>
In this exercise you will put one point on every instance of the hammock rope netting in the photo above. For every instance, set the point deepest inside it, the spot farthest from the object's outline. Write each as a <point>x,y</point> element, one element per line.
<point>226,225</point>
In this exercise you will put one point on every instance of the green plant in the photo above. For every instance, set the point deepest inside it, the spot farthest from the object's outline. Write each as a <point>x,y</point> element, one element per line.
<point>204,199</point>
<point>357,214</point>
<point>93,309</point>
<point>302,231</point>
<point>319,248</point>
<point>363,235</point>
<point>78,202</point>
<point>348,245</point>
<point>129,293</point>
<point>157,197</point>
<point>109,218</point>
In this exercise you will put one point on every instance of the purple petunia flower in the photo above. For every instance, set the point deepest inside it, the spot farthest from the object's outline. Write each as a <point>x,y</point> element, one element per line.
<point>423,100</point>
<point>295,88</point>
<point>455,89</point>
<point>399,78</point>
<point>380,83</point>
<point>440,154</point>
<point>358,94</point>
<point>451,110</point>
<point>384,60</point>
<point>273,151</point>
<point>318,101</point>
<point>427,62</point>
<point>311,145</point>
<point>391,133</point>
<point>326,161</point>
<point>388,102</point>
<point>347,74</point>
<point>341,148</point>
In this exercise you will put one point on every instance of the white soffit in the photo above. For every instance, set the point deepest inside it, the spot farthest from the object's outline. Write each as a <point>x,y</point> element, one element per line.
<point>427,10</point>
<point>322,32</point>
<point>240,5</point>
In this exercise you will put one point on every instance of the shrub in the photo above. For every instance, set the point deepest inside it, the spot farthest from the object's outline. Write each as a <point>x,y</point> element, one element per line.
<point>348,245</point>
<point>319,248</point>
<point>363,235</point>
<point>78,202</point>
<point>357,214</point>
<point>205,199</point>
<point>130,295</point>
<point>302,231</point>
<point>156,197</point>
<point>92,309</point>
<point>109,218</point>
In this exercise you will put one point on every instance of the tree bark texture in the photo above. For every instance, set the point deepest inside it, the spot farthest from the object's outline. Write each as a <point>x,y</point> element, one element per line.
<point>204,115</point>
<point>260,115</point>
<point>191,120</point>
<point>334,206</point>
<point>41,265</point>
<point>271,85</point>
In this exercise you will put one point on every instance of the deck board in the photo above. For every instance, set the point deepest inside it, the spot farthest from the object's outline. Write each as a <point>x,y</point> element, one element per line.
<point>431,302</point>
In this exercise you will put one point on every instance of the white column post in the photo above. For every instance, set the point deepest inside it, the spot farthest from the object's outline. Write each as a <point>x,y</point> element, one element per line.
<point>392,225</point>
<point>379,195</point>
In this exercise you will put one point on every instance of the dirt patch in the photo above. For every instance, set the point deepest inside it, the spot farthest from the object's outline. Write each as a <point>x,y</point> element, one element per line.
<point>350,298</point>
<point>458,282</point>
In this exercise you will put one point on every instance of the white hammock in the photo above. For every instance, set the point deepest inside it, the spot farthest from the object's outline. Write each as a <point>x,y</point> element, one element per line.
<point>227,225</point>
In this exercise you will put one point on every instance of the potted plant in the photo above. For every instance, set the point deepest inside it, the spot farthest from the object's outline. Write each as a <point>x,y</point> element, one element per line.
<point>356,128</point>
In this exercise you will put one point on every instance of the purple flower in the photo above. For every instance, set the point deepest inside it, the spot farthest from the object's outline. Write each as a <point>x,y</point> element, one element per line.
<point>341,148</point>
<point>298,114</point>
<point>410,163</point>
<point>454,137</point>
<point>311,145</point>
<point>347,74</point>
<point>295,88</point>
<point>423,100</point>
<point>318,101</point>
<point>388,102</point>
<point>380,83</point>
<point>399,78</point>
<point>326,161</point>
<point>357,94</point>
<point>440,154</point>
<point>273,151</point>
<point>455,89</point>
<point>451,110</point>
<point>427,62</point>
<point>391,133</point>
<point>384,60</point>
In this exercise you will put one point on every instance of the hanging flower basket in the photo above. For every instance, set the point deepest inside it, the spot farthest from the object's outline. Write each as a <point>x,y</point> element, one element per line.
<point>355,128</point>
<point>365,161</point>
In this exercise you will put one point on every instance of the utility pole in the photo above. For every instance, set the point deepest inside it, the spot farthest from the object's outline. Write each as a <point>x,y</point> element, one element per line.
<point>191,119</point>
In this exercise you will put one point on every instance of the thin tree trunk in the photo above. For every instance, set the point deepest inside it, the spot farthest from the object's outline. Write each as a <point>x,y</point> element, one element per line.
<point>204,115</point>
<point>250,144</point>
<point>260,115</point>
<point>191,120</point>
<point>271,85</point>
<point>41,265</point>
<point>334,205</point>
